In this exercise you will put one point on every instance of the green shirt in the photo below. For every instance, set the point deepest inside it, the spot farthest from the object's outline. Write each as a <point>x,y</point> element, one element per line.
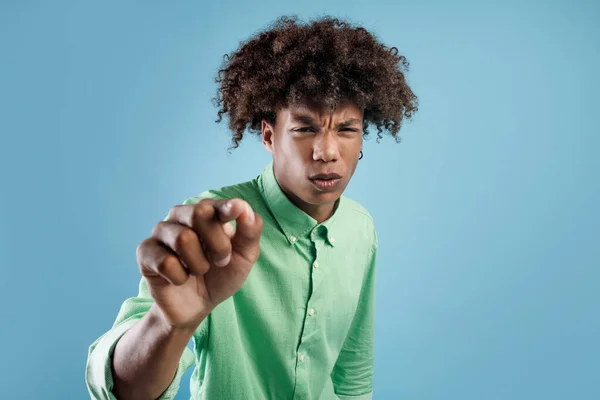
<point>301,326</point>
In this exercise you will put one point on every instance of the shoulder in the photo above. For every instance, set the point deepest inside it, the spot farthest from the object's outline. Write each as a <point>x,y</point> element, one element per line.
<point>360,218</point>
<point>247,191</point>
<point>357,210</point>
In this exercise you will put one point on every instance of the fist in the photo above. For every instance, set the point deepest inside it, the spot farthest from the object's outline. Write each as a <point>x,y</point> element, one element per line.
<point>195,259</point>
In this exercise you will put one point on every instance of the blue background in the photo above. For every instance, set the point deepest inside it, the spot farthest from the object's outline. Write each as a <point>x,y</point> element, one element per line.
<point>489,278</point>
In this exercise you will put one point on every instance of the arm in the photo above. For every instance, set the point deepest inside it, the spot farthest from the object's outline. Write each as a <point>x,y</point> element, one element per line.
<point>138,350</point>
<point>192,261</point>
<point>147,357</point>
<point>352,374</point>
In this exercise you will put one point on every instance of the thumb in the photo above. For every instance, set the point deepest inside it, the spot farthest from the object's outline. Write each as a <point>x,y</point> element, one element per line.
<point>229,209</point>
<point>248,223</point>
<point>247,233</point>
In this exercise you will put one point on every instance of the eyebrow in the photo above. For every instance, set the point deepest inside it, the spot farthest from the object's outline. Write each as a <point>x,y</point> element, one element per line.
<point>308,120</point>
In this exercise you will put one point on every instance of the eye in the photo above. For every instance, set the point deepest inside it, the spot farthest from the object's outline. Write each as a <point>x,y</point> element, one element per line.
<point>305,129</point>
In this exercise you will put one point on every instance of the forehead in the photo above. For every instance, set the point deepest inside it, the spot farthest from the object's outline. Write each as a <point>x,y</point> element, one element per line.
<point>317,112</point>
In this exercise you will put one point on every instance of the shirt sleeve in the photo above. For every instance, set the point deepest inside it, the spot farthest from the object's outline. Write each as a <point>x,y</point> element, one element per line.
<point>98,374</point>
<point>352,374</point>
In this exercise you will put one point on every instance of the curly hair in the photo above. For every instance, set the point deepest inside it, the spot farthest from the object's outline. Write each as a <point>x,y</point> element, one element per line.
<point>326,61</point>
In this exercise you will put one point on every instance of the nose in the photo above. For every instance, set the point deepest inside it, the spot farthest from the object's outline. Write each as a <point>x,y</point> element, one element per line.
<point>326,147</point>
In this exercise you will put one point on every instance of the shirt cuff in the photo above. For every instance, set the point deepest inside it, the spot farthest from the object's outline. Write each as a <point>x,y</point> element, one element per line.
<point>368,396</point>
<point>99,377</point>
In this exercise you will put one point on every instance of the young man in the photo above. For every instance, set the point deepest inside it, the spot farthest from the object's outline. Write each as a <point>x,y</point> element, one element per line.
<point>273,279</point>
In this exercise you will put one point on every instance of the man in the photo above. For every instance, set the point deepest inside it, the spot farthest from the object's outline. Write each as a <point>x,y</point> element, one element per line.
<point>273,279</point>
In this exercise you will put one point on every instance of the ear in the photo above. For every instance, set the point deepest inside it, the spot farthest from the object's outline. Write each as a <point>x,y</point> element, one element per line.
<point>267,135</point>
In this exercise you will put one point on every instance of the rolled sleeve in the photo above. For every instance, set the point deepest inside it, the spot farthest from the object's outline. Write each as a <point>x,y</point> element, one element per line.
<point>352,374</point>
<point>368,396</point>
<point>99,374</point>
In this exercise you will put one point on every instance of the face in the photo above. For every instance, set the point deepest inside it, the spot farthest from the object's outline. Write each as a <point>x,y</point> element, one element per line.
<point>315,153</point>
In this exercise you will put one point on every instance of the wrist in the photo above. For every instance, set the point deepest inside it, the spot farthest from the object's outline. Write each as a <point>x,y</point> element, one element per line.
<point>157,319</point>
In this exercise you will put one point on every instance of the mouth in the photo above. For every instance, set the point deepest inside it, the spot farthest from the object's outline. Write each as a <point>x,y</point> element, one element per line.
<point>325,182</point>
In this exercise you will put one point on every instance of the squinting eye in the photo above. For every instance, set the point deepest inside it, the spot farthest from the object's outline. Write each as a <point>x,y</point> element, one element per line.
<point>304,130</point>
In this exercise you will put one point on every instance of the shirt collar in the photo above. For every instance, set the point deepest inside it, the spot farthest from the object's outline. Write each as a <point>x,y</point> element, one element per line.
<point>294,222</point>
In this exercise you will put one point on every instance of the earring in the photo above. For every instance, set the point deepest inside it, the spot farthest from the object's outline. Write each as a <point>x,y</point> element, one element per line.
<point>361,155</point>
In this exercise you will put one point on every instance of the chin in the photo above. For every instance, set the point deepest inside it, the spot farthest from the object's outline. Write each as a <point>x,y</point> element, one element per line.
<point>320,198</point>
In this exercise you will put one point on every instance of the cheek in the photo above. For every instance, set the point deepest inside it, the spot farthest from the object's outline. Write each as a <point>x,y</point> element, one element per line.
<point>351,151</point>
<point>295,152</point>
<point>290,159</point>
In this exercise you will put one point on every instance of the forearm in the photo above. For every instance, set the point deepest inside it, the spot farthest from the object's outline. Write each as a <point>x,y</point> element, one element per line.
<point>146,358</point>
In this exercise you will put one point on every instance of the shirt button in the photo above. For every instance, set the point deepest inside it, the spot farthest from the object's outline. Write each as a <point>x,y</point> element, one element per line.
<point>293,239</point>
<point>301,357</point>
<point>315,265</point>
<point>311,312</point>
<point>332,239</point>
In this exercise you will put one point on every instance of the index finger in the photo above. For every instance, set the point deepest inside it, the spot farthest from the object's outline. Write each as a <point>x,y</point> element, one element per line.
<point>224,210</point>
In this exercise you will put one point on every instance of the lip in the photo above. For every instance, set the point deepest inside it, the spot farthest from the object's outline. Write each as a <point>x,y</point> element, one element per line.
<point>325,176</point>
<point>325,184</point>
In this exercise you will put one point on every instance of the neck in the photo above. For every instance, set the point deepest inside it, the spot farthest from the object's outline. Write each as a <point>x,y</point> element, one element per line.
<point>320,212</point>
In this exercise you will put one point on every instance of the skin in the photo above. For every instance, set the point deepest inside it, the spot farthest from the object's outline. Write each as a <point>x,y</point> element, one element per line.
<point>191,262</point>
<point>194,260</point>
<point>307,140</point>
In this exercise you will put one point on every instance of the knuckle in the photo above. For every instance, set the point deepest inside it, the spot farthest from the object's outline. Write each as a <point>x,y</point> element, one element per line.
<point>173,211</point>
<point>143,254</point>
<point>200,268</point>
<point>142,248</point>
<point>221,248</point>
<point>259,222</point>
<point>185,239</point>
<point>203,210</point>
<point>157,229</point>
<point>168,263</point>
<point>254,255</point>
